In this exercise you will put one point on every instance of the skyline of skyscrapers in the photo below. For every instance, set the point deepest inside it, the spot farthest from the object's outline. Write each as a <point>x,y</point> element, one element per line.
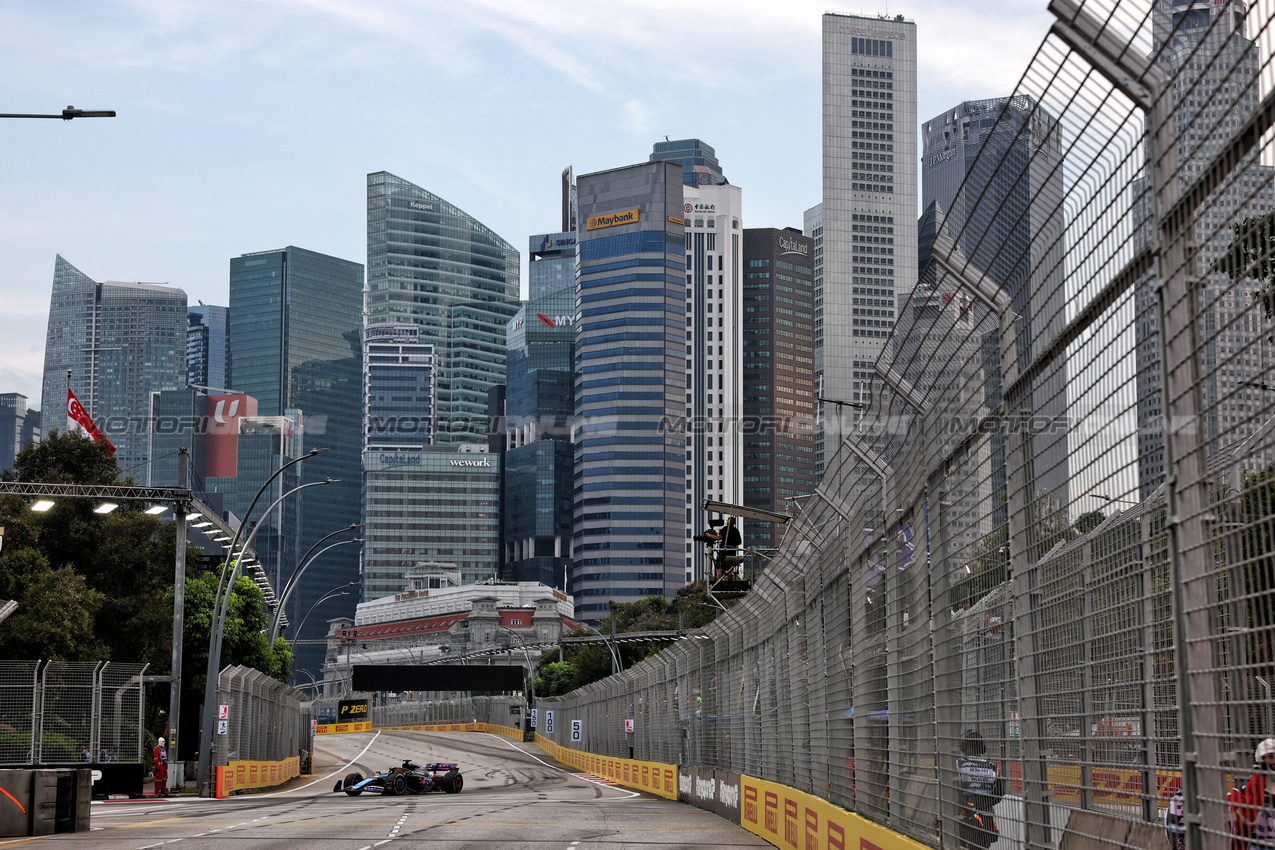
<point>431,264</point>
<point>120,342</point>
<point>296,345</point>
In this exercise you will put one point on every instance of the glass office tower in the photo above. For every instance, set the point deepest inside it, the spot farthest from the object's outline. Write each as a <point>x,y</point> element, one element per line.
<point>207,346</point>
<point>630,442</point>
<point>779,375</point>
<point>551,264</point>
<point>539,456</point>
<point>1013,190</point>
<point>435,503</point>
<point>1223,85</point>
<point>295,345</point>
<point>19,425</point>
<point>121,342</point>
<point>433,265</point>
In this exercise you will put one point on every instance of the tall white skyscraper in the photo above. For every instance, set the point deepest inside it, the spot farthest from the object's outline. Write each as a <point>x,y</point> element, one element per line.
<point>869,196</point>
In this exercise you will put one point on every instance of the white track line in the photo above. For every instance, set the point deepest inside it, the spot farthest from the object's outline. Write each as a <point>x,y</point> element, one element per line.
<point>505,741</point>
<point>324,778</point>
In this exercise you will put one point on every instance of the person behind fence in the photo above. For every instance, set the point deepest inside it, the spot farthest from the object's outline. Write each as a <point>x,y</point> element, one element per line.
<point>1174,822</point>
<point>161,769</point>
<point>1253,805</point>
<point>981,789</point>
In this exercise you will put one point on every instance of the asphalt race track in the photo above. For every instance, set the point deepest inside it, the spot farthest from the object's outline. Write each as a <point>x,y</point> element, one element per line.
<point>515,796</point>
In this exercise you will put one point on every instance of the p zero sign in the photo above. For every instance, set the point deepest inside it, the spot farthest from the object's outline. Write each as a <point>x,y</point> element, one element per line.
<point>597,222</point>
<point>352,711</point>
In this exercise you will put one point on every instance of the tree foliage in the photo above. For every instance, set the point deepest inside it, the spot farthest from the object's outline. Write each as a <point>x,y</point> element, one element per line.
<point>1250,255</point>
<point>93,587</point>
<point>586,664</point>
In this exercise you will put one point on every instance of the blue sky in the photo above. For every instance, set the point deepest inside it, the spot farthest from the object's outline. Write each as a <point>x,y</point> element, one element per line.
<point>245,126</point>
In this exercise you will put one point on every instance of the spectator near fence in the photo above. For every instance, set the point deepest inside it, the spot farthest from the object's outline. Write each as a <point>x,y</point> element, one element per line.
<point>1253,805</point>
<point>981,789</point>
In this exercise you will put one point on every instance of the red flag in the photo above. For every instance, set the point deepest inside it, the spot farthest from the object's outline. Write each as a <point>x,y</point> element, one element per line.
<point>78,419</point>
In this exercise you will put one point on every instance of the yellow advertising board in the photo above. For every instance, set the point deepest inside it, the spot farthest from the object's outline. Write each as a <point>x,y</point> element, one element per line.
<point>244,775</point>
<point>338,728</point>
<point>651,776</point>
<point>597,222</point>
<point>796,820</point>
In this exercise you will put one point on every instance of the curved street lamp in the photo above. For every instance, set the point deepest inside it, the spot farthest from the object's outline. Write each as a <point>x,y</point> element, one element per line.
<point>210,683</point>
<point>615,659</point>
<point>331,594</point>
<point>292,582</point>
<point>531,675</point>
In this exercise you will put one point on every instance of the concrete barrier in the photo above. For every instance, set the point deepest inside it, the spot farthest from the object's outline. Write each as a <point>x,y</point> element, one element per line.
<point>44,801</point>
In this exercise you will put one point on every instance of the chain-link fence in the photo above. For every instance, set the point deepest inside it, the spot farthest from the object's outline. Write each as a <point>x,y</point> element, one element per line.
<point>264,720</point>
<point>1052,527</point>
<point>56,712</point>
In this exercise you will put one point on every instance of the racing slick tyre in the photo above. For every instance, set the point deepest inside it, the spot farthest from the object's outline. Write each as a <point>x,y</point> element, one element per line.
<point>399,785</point>
<point>351,779</point>
<point>452,784</point>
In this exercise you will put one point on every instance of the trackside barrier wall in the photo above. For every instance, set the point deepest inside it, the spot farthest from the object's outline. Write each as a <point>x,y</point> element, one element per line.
<point>254,775</point>
<point>45,801</point>
<point>1053,524</point>
<point>266,733</point>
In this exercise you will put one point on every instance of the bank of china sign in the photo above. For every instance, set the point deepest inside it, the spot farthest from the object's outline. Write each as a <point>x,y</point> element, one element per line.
<point>597,222</point>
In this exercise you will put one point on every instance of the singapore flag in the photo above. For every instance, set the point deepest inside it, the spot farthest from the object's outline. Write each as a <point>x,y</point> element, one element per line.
<point>79,421</point>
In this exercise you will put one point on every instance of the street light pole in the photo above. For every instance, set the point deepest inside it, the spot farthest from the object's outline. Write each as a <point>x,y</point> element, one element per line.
<point>531,677</point>
<point>331,594</point>
<point>615,659</point>
<point>179,614</point>
<point>302,564</point>
<point>66,114</point>
<point>210,683</point>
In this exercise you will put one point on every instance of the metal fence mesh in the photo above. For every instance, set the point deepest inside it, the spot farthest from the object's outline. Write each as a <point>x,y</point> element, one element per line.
<point>264,718</point>
<point>55,712</point>
<point>1053,525</point>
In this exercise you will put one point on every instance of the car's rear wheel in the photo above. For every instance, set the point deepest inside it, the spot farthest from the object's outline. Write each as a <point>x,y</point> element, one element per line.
<point>453,785</point>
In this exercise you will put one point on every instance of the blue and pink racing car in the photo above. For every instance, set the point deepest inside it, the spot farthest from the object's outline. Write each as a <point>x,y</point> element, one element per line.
<point>408,779</point>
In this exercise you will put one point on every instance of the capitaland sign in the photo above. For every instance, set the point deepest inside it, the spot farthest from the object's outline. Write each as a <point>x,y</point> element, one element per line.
<point>791,246</point>
<point>397,459</point>
<point>597,222</point>
<point>484,462</point>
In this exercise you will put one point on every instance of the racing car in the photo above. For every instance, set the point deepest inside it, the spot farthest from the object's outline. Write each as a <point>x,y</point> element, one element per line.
<point>409,778</point>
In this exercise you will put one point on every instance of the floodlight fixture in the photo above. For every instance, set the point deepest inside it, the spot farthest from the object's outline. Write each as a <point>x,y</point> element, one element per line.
<point>105,508</point>
<point>155,510</point>
<point>42,505</point>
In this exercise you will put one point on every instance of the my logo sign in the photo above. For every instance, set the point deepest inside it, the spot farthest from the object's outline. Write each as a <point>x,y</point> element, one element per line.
<point>221,408</point>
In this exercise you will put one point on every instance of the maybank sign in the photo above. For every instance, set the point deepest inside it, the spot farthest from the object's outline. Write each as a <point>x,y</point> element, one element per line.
<point>597,222</point>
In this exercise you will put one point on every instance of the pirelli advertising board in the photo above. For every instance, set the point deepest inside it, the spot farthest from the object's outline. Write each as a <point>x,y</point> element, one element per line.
<point>597,222</point>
